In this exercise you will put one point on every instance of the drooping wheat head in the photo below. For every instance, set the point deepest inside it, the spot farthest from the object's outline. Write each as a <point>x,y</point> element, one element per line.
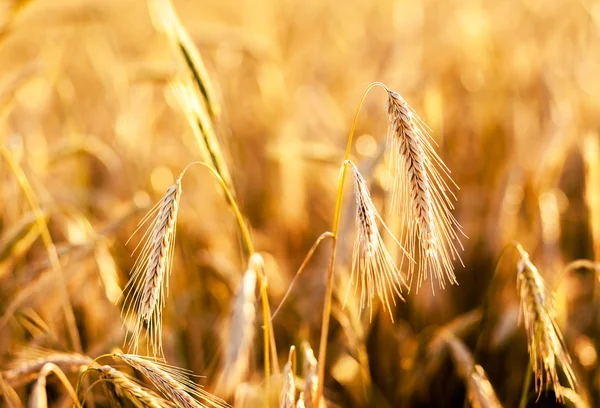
<point>238,342</point>
<point>173,382</point>
<point>422,195</point>
<point>373,269</point>
<point>130,389</point>
<point>150,276</point>
<point>544,339</point>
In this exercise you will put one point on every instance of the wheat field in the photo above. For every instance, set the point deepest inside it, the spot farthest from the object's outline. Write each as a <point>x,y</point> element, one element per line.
<point>299,204</point>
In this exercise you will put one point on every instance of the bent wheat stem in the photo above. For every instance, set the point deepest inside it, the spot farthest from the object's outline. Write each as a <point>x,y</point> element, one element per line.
<point>39,389</point>
<point>334,232</point>
<point>301,269</point>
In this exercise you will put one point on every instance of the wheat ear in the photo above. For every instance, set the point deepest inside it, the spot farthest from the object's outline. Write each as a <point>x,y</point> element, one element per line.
<point>31,362</point>
<point>422,194</point>
<point>173,382</point>
<point>373,269</point>
<point>202,127</point>
<point>133,391</point>
<point>150,276</point>
<point>166,20</point>
<point>544,339</point>
<point>238,343</point>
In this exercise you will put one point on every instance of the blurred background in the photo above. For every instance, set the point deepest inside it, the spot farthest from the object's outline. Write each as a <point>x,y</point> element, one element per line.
<point>510,90</point>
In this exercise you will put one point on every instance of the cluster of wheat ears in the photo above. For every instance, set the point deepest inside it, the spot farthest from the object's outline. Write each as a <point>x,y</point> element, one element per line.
<point>422,195</point>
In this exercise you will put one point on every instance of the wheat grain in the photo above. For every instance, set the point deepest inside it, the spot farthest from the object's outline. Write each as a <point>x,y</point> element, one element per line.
<point>422,195</point>
<point>544,339</point>
<point>373,269</point>
<point>238,343</point>
<point>133,391</point>
<point>151,271</point>
<point>173,382</point>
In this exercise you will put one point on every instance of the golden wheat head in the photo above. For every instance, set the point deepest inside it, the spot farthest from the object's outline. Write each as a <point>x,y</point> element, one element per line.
<point>422,195</point>
<point>174,383</point>
<point>373,269</point>
<point>130,389</point>
<point>166,20</point>
<point>544,339</point>
<point>150,276</point>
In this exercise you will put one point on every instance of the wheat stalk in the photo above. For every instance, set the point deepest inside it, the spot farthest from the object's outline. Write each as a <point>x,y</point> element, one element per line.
<point>544,339</point>
<point>133,391</point>
<point>173,382</point>
<point>152,269</point>
<point>373,269</point>
<point>39,398</point>
<point>238,344</point>
<point>422,194</point>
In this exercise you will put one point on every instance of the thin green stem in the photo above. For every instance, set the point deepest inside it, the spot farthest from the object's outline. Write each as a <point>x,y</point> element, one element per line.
<point>89,390</point>
<point>301,269</point>
<point>336,222</point>
<point>526,384</point>
<point>81,377</point>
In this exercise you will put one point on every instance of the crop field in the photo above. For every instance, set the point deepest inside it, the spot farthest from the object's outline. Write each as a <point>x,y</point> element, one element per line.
<point>283,203</point>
